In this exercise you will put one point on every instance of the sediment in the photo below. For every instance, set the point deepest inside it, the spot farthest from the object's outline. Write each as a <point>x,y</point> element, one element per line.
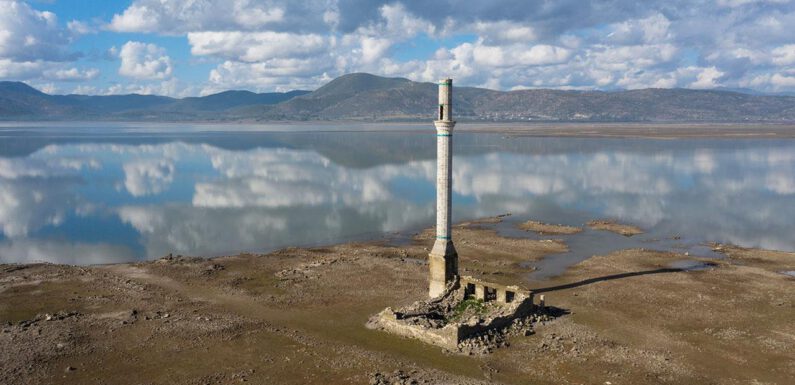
<point>297,316</point>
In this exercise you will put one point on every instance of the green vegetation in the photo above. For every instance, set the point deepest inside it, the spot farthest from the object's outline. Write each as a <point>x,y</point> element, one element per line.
<point>468,307</point>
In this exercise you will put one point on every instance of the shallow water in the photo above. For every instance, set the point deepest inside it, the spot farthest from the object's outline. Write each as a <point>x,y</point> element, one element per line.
<point>111,193</point>
<point>691,265</point>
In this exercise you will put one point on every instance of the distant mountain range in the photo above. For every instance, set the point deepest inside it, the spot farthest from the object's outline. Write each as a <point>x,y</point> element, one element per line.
<point>366,97</point>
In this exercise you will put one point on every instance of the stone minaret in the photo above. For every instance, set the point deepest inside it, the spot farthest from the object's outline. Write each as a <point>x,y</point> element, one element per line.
<point>443,257</point>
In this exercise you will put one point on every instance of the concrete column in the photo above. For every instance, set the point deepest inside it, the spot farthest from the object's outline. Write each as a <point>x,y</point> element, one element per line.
<point>443,256</point>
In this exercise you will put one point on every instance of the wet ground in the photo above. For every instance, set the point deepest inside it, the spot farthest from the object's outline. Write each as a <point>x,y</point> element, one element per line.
<point>296,316</point>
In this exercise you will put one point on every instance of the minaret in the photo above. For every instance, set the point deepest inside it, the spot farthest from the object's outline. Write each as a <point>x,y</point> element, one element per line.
<point>443,257</point>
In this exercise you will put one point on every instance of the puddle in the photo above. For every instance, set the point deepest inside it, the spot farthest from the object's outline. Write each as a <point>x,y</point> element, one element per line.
<point>591,242</point>
<point>691,265</point>
<point>586,244</point>
<point>790,273</point>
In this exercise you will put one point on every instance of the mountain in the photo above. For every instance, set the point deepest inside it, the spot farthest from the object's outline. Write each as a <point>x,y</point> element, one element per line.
<point>366,97</point>
<point>233,99</point>
<point>20,101</point>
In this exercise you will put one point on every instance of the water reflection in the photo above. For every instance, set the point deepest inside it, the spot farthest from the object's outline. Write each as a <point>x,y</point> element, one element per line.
<point>86,199</point>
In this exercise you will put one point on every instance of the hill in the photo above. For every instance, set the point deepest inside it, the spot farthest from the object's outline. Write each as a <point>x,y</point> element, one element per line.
<point>367,97</point>
<point>20,101</point>
<point>399,99</point>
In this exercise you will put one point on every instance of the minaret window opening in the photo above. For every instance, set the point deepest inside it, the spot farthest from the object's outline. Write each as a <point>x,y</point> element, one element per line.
<point>441,112</point>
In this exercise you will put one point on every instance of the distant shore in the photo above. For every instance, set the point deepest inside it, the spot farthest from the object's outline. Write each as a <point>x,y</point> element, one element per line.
<point>639,130</point>
<point>297,315</point>
<point>656,130</point>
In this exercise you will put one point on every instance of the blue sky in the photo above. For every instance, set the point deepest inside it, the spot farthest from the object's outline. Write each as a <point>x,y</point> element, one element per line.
<point>197,47</point>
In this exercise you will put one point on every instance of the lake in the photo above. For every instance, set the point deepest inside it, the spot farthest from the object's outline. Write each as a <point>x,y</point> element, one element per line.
<point>104,193</point>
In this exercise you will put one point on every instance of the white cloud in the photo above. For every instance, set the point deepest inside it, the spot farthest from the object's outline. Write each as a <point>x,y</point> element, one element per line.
<point>30,35</point>
<point>780,81</point>
<point>33,46</point>
<point>136,18</point>
<point>505,31</point>
<point>519,55</point>
<point>26,205</point>
<point>256,46</point>
<point>275,74</point>
<point>740,3</point>
<point>374,49</point>
<point>707,78</point>
<point>178,16</point>
<point>72,74</point>
<point>10,69</point>
<point>144,61</point>
<point>77,27</point>
<point>37,251</point>
<point>650,30</point>
<point>568,45</point>
<point>148,177</point>
<point>784,55</point>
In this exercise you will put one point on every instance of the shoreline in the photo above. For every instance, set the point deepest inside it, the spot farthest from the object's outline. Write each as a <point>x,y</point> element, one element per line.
<point>652,130</point>
<point>297,315</point>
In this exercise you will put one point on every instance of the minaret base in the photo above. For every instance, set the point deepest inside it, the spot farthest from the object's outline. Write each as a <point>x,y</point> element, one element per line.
<point>443,261</point>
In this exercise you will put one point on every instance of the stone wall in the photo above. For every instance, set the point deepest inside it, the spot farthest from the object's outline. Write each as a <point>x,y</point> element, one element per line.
<point>514,304</point>
<point>446,337</point>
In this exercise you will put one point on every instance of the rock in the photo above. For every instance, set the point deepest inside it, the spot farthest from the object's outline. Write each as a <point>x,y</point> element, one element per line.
<point>70,369</point>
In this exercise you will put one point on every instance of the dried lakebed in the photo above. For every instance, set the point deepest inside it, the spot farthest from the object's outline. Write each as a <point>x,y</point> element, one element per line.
<point>297,316</point>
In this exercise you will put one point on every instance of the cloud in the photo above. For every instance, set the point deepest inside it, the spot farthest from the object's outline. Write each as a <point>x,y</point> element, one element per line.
<point>30,35</point>
<point>10,69</point>
<point>77,28</point>
<point>518,55</point>
<point>274,74</point>
<point>33,46</point>
<point>784,55</point>
<point>72,74</point>
<point>144,61</point>
<point>504,31</point>
<point>148,177</point>
<point>74,253</point>
<point>176,16</point>
<point>273,197</point>
<point>258,46</point>
<point>507,44</point>
<point>707,78</point>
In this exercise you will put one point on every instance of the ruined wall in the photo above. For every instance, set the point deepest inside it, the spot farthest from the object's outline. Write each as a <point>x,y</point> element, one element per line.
<point>446,337</point>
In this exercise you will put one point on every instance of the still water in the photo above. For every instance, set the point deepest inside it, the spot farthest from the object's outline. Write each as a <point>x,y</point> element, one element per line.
<point>111,193</point>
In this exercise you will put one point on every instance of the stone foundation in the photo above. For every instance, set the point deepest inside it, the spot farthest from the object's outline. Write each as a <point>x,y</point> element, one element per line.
<point>500,310</point>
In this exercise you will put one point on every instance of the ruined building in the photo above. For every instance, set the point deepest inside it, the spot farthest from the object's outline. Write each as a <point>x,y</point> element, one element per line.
<point>463,314</point>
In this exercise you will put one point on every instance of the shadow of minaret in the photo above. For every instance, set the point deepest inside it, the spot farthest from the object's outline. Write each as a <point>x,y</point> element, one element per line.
<point>606,278</point>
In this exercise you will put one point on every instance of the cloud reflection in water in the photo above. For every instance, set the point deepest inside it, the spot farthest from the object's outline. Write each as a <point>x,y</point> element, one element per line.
<point>91,202</point>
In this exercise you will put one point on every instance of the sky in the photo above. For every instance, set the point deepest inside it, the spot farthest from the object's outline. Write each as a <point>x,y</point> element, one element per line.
<point>198,47</point>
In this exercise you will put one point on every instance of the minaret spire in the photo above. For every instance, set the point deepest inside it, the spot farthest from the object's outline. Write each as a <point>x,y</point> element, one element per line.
<point>443,257</point>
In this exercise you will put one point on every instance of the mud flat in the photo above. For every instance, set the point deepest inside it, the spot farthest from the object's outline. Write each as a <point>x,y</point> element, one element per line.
<point>548,229</point>
<point>615,227</point>
<point>297,316</point>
